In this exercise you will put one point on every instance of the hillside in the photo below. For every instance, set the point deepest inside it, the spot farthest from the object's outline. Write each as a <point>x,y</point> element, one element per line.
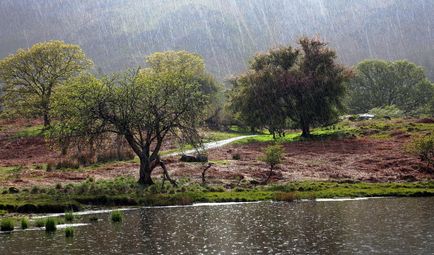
<point>119,33</point>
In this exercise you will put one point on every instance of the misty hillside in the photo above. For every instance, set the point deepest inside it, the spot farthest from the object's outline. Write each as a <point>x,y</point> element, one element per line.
<point>118,33</point>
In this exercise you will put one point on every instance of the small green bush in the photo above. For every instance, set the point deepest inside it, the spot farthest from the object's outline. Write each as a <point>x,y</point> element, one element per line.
<point>387,111</point>
<point>116,216</point>
<point>423,147</point>
<point>40,223</point>
<point>69,216</point>
<point>24,223</point>
<point>50,225</point>
<point>7,224</point>
<point>69,232</point>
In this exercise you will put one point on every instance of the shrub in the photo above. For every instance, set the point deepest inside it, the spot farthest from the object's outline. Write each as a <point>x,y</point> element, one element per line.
<point>386,111</point>
<point>40,223</point>
<point>24,223</point>
<point>423,147</point>
<point>69,216</point>
<point>7,224</point>
<point>50,225</point>
<point>69,232</point>
<point>273,157</point>
<point>116,216</point>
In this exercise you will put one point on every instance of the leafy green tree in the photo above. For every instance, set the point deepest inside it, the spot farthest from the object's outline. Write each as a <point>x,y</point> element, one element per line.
<point>379,83</point>
<point>30,75</point>
<point>273,157</point>
<point>304,86</point>
<point>143,107</point>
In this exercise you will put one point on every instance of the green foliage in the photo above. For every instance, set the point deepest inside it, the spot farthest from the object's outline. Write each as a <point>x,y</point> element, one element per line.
<point>50,225</point>
<point>7,224</point>
<point>69,232</point>
<point>142,106</point>
<point>69,216</point>
<point>24,223</point>
<point>386,111</point>
<point>116,216</point>
<point>30,76</point>
<point>423,147</point>
<point>379,83</point>
<point>273,155</point>
<point>285,87</point>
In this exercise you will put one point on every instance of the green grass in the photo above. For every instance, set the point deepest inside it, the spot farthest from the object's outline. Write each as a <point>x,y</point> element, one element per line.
<point>116,216</point>
<point>69,232</point>
<point>32,131</point>
<point>125,191</point>
<point>39,223</point>
<point>69,216</point>
<point>7,224</point>
<point>50,225</point>
<point>24,223</point>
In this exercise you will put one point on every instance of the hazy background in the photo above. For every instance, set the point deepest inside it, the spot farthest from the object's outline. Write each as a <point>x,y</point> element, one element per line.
<point>118,33</point>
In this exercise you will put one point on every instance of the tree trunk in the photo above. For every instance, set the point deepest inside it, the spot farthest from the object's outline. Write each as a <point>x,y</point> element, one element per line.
<point>145,172</point>
<point>305,131</point>
<point>269,175</point>
<point>46,120</point>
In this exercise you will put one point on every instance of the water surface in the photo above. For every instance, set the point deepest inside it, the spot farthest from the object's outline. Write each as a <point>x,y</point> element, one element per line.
<point>373,226</point>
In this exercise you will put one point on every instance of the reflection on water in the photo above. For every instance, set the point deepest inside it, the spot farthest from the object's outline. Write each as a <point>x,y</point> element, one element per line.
<point>383,226</point>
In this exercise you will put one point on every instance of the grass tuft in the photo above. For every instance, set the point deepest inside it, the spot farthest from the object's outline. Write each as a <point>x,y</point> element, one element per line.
<point>116,216</point>
<point>50,225</point>
<point>7,224</point>
<point>69,232</point>
<point>69,216</point>
<point>24,223</point>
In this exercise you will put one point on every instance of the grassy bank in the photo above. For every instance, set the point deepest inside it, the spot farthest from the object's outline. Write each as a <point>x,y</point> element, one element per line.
<point>125,192</point>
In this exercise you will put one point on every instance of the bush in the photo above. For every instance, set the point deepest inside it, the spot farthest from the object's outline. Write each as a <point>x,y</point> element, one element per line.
<point>7,224</point>
<point>69,232</point>
<point>423,147</point>
<point>116,216</point>
<point>50,225</point>
<point>24,223</point>
<point>386,111</point>
<point>69,216</point>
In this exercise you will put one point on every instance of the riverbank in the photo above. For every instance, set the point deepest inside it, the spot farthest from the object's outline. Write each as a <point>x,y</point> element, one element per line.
<point>125,192</point>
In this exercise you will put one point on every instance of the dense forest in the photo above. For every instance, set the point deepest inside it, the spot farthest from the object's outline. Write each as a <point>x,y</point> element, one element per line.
<point>117,33</point>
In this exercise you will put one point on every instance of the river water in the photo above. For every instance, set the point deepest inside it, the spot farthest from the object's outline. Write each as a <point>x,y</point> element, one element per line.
<point>372,226</point>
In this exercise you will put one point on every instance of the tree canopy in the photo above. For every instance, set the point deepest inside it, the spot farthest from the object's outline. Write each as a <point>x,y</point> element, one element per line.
<point>30,75</point>
<point>379,83</point>
<point>144,106</point>
<point>302,85</point>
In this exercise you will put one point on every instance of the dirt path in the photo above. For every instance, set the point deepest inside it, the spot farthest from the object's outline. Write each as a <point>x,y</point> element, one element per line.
<point>210,145</point>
